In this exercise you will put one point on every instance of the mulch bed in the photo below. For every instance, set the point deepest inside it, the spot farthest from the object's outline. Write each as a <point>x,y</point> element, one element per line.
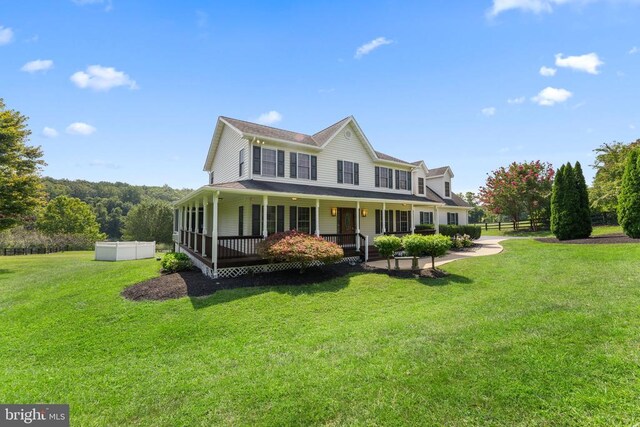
<point>594,240</point>
<point>195,284</point>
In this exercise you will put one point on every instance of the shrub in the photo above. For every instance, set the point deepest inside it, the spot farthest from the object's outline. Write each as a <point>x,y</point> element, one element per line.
<point>629,198</point>
<point>425,226</point>
<point>415,245</point>
<point>436,246</point>
<point>570,214</point>
<point>473,231</point>
<point>293,246</point>
<point>175,261</point>
<point>461,241</point>
<point>387,246</point>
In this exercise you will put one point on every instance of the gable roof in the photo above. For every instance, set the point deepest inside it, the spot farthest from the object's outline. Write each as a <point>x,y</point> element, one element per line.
<point>317,140</point>
<point>438,172</point>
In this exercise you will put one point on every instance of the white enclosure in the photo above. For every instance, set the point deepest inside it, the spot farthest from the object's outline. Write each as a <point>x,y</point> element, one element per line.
<point>122,251</point>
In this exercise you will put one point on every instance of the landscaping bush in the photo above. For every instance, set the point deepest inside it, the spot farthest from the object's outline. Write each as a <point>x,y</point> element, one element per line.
<point>425,227</point>
<point>570,213</point>
<point>461,241</point>
<point>293,246</point>
<point>387,246</point>
<point>175,261</point>
<point>436,246</point>
<point>629,198</point>
<point>415,245</point>
<point>473,231</point>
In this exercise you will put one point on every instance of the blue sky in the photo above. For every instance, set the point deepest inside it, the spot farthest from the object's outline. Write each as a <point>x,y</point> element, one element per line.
<point>130,91</point>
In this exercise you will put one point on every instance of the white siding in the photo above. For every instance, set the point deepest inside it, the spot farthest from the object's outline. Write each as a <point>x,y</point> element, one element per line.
<point>462,215</point>
<point>437,184</point>
<point>226,160</point>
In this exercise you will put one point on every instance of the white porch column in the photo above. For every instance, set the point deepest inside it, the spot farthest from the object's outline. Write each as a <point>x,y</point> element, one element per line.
<point>413,220</point>
<point>195,236</point>
<point>214,235</point>
<point>384,210</point>
<point>317,224</point>
<point>189,221</point>
<point>436,220</point>
<point>265,204</point>
<point>205,203</point>
<point>358,225</point>
<point>180,225</point>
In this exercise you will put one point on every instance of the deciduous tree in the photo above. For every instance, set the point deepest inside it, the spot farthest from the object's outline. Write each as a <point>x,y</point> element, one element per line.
<point>20,165</point>
<point>151,220</point>
<point>610,164</point>
<point>68,215</point>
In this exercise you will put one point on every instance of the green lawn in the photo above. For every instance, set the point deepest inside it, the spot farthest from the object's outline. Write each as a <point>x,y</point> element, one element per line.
<point>542,334</point>
<point>597,231</point>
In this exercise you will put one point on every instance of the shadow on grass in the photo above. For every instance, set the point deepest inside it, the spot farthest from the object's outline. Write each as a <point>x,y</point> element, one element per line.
<point>5,271</point>
<point>328,285</point>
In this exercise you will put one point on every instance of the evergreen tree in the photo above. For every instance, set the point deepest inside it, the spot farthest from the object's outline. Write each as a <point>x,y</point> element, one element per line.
<point>583,217</point>
<point>556,200</point>
<point>629,198</point>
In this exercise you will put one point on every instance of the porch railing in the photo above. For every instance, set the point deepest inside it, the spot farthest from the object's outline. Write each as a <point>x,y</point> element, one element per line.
<point>237,246</point>
<point>345,241</point>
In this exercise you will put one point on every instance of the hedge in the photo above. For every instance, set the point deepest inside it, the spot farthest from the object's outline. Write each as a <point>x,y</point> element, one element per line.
<point>473,231</point>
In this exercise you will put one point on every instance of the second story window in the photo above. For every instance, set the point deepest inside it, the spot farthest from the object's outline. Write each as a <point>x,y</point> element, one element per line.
<point>447,189</point>
<point>403,180</point>
<point>384,177</point>
<point>267,162</point>
<point>304,166</point>
<point>420,185</point>
<point>241,163</point>
<point>348,172</point>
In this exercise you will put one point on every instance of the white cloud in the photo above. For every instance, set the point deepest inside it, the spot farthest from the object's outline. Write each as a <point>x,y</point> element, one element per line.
<point>632,126</point>
<point>369,47</point>
<point>588,63</point>
<point>108,3</point>
<point>98,77</point>
<point>37,65</point>
<point>269,118</point>
<point>488,111</point>
<point>80,128</point>
<point>6,35</point>
<point>49,132</point>
<point>518,100</point>
<point>634,50</point>
<point>538,6</point>
<point>547,71</point>
<point>550,96</point>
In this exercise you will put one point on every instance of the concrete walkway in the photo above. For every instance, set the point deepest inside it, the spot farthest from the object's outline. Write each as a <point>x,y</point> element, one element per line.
<point>488,246</point>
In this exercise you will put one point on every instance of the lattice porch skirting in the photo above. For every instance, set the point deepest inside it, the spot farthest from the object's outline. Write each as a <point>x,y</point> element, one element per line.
<point>263,268</point>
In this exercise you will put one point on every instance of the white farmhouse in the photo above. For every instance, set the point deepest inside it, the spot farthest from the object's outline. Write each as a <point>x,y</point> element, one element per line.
<point>333,184</point>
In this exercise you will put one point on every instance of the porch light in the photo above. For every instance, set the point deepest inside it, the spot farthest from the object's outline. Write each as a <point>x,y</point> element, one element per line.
<point>294,198</point>
<point>334,211</point>
<point>364,213</point>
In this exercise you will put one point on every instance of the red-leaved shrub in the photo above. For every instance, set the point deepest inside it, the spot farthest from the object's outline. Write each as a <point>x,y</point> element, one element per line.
<point>293,246</point>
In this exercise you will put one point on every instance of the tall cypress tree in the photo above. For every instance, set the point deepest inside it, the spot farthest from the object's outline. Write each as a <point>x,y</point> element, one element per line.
<point>583,215</point>
<point>556,200</point>
<point>629,198</point>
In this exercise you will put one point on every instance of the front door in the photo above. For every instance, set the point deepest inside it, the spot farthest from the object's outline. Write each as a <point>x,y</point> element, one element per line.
<point>347,225</point>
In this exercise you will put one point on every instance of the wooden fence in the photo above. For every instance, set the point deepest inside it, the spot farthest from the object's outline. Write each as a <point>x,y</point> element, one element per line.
<point>603,218</point>
<point>30,251</point>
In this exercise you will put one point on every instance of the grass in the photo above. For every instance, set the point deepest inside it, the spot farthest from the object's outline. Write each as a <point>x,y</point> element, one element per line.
<point>597,231</point>
<point>542,334</point>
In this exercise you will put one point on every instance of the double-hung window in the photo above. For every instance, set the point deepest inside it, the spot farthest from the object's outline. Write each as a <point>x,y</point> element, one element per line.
<point>304,166</point>
<point>241,163</point>
<point>447,189</point>
<point>420,185</point>
<point>383,177</point>
<point>268,162</point>
<point>348,172</point>
<point>452,218</point>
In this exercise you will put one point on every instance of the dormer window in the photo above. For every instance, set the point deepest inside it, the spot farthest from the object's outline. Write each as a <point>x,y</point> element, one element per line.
<point>447,189</point>
<point>420,185</point>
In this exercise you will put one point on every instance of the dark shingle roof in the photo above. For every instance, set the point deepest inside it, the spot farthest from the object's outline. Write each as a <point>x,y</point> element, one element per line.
<point>316,140</point>
<point>456,200</point>
<point>282,187</point>
<point>437,171</point>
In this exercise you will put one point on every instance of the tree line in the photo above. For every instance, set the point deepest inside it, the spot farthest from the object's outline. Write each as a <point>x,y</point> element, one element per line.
<point>36,211</point>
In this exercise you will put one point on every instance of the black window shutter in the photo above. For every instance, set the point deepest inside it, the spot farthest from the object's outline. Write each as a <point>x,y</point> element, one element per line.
<point>339,171</point>
<point>397,179</point>
<point>240,220</point>
<point>409,176</point>
<point>256,160</point>
<point>356,174</point>
<point>422,218</point>
<point>280,219</point>
<point>255,220</point>
<point>378,219</point>
<point>280,163</point>
<point>312,226</point>
<point>409,219</point>
<point>390,175</point>
<point>377,179</point>
<point>293,218</point>
<point>293,165</point>
<point>390,220</point>
<point>398,221</point>
<point>314,168</point>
